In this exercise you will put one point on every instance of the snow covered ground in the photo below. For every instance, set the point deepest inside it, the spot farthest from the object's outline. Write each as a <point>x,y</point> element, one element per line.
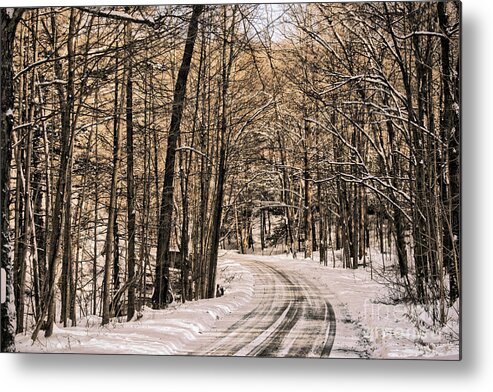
<point>158,332</point>
<point>369,324</point>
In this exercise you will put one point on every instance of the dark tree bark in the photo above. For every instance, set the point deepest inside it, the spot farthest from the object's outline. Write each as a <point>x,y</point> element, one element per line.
<point>66,101</point>
<point>39,259</point>
<point>95,228</point>
<point>262,229</point>
<point>67,263</point>
<point>130,181</point>
<point>9,18</point>
<point>307,205</point>
<point>112,210</point>
<point>450,126</point>
<point>166,209</point>
<point>227,61</point>
<point>185,186</point>
<point>217,214</point>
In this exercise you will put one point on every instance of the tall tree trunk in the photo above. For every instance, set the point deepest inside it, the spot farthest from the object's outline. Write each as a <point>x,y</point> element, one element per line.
<point>166,209</point>
<point>39,258</point>
<point>450,126</point>
<point>9,18</point>
<point>23,190</point>
<point>227,61</point>
<point>110,232</point>
<point>67,261</point>
<point>216,216</point>
<point>95,229</point>
<point>262,230</point>
<point>307,213</point>
<point>67,140</point>
<point>130,180</point>
<point>322,228</point>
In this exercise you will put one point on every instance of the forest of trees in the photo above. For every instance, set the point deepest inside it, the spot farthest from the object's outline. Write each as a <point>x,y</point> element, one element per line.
<point>137,142</point>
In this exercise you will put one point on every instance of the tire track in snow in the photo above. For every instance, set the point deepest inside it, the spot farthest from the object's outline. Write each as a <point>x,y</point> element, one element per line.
<point>289,318</point>
<point>255,322</point>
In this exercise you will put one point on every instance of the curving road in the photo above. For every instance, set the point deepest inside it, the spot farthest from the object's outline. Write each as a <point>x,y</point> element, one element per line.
<point>288,317</point>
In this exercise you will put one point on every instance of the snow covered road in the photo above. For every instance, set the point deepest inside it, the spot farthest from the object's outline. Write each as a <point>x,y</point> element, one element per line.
<point>273,306</point>
<point>269,309</point>
<point>287,317</point>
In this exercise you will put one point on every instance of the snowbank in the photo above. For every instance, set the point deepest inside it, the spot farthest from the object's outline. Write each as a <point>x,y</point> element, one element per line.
<point>159,332</point>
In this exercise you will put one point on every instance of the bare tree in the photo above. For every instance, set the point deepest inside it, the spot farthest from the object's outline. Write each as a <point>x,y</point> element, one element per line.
<point>161,283</point>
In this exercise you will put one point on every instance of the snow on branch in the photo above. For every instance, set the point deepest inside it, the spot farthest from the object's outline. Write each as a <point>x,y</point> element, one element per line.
<point>51,82</point>
<point>422,33</point>
<point>118,15</point>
